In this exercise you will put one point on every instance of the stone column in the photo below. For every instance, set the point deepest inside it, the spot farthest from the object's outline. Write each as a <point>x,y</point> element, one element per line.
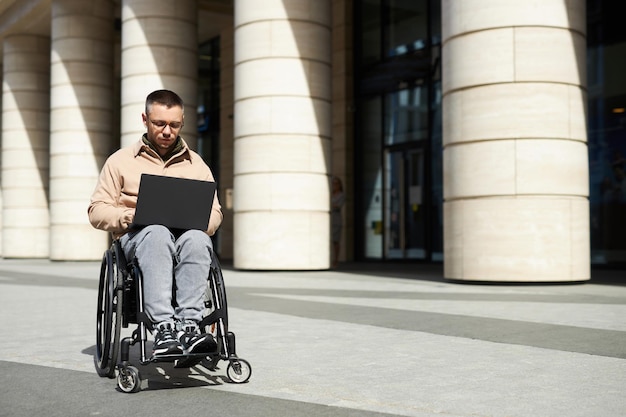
<point>282,134</point>
<point>25,130</point>
<point>515,155</point>
<point>81,122</point>
<point>159,50</point>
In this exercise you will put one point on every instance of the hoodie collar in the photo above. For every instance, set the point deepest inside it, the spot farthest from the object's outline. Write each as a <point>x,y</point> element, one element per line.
<point>179,147</point>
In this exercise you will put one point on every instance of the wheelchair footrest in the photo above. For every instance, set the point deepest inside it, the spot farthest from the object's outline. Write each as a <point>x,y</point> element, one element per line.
<point>177,356</point>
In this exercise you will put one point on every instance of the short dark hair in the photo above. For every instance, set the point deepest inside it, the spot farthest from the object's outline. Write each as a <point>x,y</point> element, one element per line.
<point>165,98</point>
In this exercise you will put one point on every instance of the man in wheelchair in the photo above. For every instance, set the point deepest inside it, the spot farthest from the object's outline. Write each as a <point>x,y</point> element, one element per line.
<point>174,264</point>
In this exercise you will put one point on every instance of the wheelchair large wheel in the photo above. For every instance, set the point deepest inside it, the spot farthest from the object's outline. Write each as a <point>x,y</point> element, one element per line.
<point>109,316</point>
<point>219,289</point>
<point>215,319</point>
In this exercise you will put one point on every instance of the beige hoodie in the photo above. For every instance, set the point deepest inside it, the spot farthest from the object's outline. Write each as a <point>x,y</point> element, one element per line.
<point>114,199</point>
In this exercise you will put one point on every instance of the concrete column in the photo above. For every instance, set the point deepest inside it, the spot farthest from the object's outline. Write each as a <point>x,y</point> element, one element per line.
<point>81,122</point>
<point>282,134</point>
<point>25,130</point>
<point>515,154</point>
<point>159,50</point>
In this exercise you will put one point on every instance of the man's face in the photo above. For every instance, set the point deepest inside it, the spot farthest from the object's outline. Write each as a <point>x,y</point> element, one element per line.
<point>163,126</point>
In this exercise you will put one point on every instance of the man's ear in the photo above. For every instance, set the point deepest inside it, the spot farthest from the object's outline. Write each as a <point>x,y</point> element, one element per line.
<point>144,118</point>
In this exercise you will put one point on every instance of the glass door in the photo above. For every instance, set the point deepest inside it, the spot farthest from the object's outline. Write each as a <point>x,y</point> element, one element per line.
<point>404,210</point>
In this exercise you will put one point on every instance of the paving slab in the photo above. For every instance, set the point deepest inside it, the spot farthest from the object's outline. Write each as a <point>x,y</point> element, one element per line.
<point>354,341</point>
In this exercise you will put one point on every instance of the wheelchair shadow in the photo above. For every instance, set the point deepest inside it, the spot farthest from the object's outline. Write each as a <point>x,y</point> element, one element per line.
<point>163,375</point>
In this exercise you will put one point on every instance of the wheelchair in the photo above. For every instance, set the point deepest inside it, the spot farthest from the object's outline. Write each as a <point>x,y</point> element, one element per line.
<point>120,303</point>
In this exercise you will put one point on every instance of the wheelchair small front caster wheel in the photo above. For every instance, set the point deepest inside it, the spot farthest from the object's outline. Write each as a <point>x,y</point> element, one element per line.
<point>128,379</point>
<point>239,371</point>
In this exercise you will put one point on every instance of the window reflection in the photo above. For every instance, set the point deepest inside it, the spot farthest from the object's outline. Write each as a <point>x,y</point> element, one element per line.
<point>408,26</point>
<point>406,117</point>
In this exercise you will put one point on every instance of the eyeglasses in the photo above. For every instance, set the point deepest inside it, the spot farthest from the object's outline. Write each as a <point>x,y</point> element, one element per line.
<point>160,124</point>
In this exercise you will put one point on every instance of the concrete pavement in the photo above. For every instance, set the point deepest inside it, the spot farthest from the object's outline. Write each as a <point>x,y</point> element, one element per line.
<point>363,340</point>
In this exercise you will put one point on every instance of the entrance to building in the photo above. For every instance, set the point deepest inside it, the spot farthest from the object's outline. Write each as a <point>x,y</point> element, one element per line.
<point>404,211</point>
<point>398,202</point>
<point>398,178</point>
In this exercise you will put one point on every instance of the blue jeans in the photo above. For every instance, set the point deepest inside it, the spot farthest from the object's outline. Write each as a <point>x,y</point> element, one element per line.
<point>175,271</point>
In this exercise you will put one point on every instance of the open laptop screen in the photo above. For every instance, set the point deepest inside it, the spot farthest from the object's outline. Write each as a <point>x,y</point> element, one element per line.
<point>177,203</point>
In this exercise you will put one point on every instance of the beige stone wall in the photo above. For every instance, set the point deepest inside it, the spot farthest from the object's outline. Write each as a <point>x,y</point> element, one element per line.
<point>515,155</point>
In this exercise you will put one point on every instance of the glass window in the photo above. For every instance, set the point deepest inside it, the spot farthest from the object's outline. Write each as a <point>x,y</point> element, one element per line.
<point>407,26</point>
<point>435,22</point>
<point>394,202</point>
<point>398,123</point>
<point>370,31</point>
<point>606,67</point>
<point>405,234</point>
<point>406,116</point>
<point>372,181</point>
<point>436,163</point>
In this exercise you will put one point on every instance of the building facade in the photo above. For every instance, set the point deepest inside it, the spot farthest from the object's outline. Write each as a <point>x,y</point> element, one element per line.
<point>487,135</point>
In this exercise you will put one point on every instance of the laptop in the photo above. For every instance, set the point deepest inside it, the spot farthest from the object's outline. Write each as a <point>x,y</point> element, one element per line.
<point>177,203</point>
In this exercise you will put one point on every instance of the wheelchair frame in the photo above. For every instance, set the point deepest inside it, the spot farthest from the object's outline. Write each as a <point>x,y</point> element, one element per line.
<point>120,303</point>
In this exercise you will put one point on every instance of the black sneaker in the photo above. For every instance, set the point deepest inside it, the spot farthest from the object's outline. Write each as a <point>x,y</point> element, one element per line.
<point>193,341</point>
<point>165,341</point>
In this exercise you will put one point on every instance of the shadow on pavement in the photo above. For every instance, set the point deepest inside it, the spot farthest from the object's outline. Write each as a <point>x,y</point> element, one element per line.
<point>163,375</point>
<point>433,272</point>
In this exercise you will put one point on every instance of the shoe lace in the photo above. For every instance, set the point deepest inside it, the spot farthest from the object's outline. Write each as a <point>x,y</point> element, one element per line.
<point>166,333</point>
<point>189,327</point>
